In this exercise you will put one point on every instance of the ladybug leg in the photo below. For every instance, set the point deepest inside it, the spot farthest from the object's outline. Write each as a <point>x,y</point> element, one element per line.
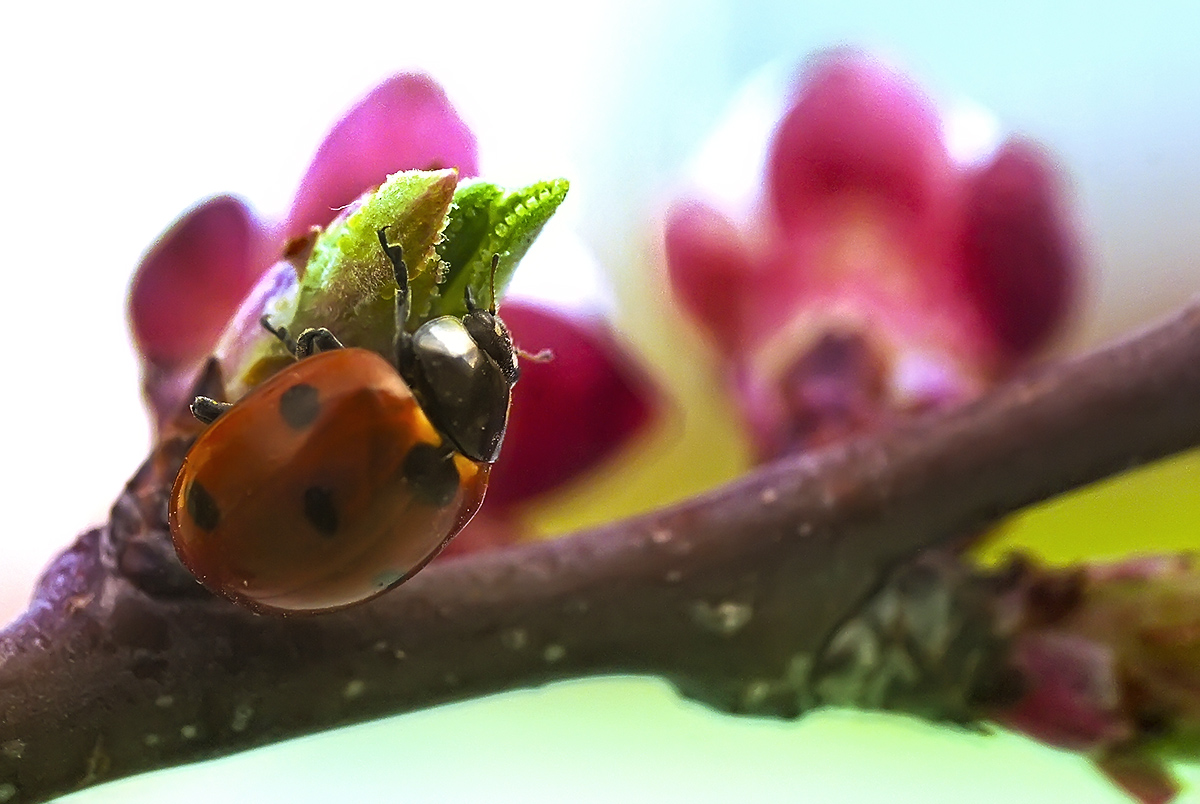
<point>208,410</point>
<point>403,345</point>
<point>279,332</point>
<point>311,341</point>
<point>315,340</point>
<point>395,255</point>
<point>205,391</point>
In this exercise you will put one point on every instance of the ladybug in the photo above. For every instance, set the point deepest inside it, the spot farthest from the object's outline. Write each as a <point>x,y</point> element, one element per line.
<point>344,474</point>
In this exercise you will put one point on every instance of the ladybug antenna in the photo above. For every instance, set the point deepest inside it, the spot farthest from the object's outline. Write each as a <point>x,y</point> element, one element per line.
<point>495,264</point>
<point>469,295</point>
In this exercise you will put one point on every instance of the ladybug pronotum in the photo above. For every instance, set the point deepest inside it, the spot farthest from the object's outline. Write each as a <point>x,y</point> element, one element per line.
<point>343,474</point>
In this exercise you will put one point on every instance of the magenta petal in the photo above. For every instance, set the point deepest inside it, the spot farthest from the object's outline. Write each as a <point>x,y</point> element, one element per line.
<point>1072,696</point>
<point>570,413</point>
<point>192,280</point>
<point>1021,263</point>
<point>406,123</point>
<point>710,271</point>
<point>856,127</point>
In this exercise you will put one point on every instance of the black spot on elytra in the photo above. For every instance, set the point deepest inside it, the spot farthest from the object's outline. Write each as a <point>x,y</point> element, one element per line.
<point>320,510</point>
<point>431,473</point>
<point>201,507</point>
<point>299,406</point>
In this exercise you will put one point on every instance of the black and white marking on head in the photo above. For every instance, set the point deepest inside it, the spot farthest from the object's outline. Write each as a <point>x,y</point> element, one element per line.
<point>299,406</point>
<point>320,511</point>
<point>431,474</point>
<point>463,391</point>
<point>201,507</point>
<point>493,338</point>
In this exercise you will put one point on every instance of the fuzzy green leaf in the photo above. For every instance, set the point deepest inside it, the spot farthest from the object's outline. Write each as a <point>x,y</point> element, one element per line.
<point>448,232</point>
<point>470,221</point>
<point>348,285</point>
<point>484,221</point>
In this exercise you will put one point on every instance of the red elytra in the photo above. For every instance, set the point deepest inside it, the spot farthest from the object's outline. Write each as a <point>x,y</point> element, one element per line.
<point>324,487</point>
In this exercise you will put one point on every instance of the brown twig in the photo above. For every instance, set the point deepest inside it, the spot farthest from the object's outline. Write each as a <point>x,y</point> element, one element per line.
<point>117,669</point>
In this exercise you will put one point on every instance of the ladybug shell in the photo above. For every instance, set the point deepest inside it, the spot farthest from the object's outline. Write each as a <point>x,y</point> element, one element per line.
<point>322,488</point>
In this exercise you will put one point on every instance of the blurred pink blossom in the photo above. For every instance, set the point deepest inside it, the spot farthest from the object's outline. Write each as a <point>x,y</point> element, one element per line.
<point>880,277</point>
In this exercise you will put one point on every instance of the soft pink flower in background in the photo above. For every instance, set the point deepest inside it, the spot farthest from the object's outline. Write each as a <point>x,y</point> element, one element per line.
<point>879,277</point>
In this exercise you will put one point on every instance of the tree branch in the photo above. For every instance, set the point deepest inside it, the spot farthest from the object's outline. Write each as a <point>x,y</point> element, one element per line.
<point>121,666</point>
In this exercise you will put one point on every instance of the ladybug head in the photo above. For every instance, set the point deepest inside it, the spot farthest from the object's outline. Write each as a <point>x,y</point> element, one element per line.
<point>490,333</point>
